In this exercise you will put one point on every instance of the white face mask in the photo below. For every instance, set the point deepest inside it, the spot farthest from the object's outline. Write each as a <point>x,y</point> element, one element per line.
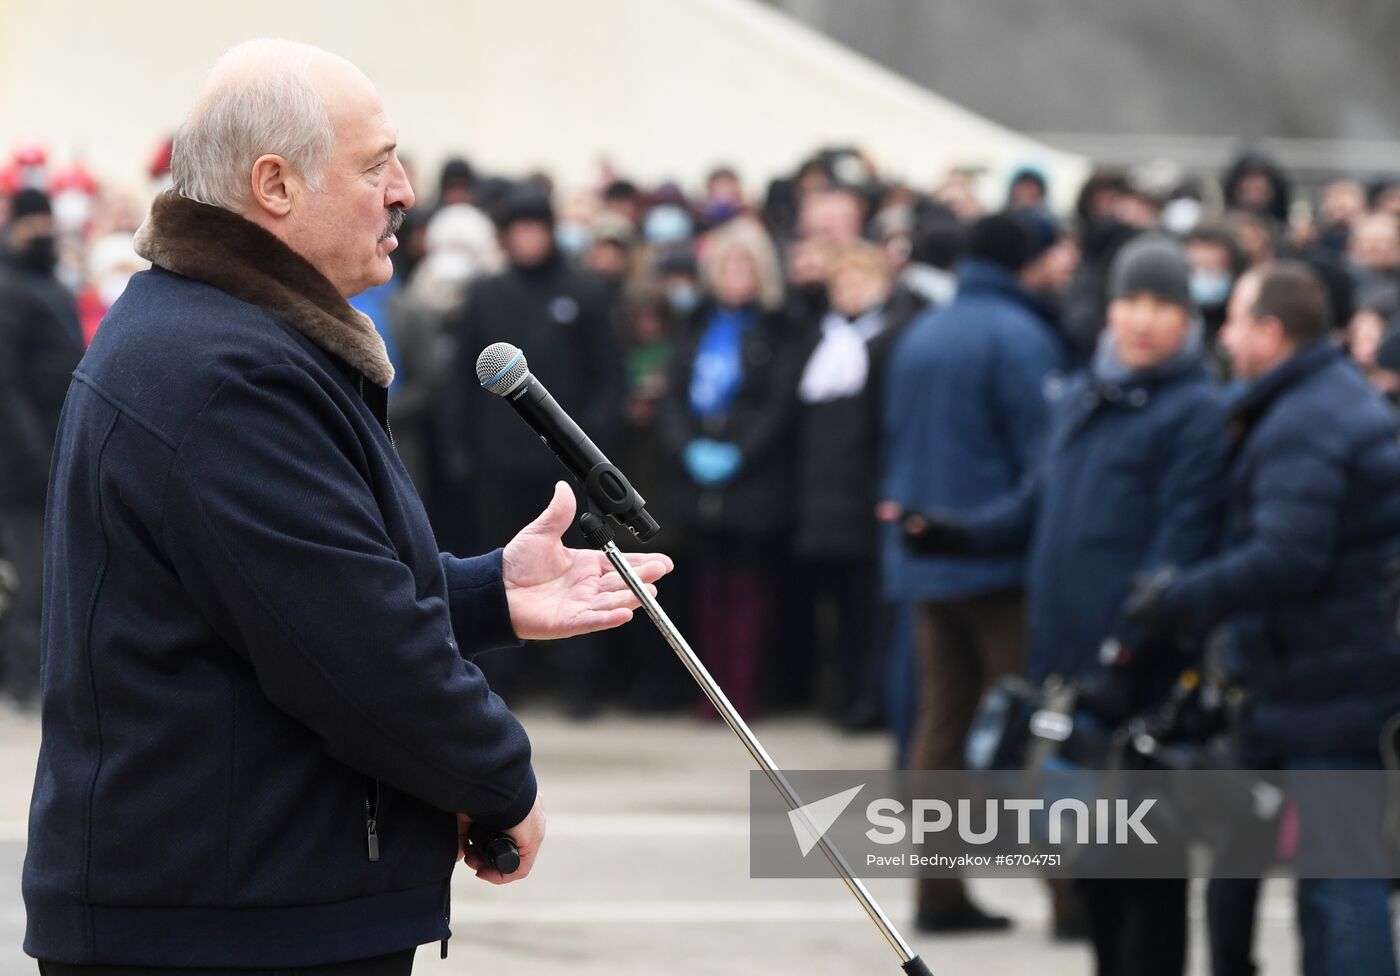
<point>72,209</point>
<point>449,267</point>
<point>111,286</point>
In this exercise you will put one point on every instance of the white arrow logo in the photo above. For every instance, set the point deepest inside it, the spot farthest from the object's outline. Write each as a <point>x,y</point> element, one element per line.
<point>811,821</point>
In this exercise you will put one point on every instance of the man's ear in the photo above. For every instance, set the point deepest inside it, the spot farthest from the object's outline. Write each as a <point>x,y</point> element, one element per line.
<point>271,185</point>
<point>1274,326</point>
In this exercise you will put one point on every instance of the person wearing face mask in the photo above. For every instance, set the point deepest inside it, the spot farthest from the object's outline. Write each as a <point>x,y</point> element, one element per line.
<point>461,249</point>
<point>1216,261</point>
<point>39,348</point>
<point>112,261</point>
<point>562,318</point>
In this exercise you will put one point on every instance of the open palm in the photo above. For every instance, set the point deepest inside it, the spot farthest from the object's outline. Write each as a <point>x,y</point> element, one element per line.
<point>554,591</point>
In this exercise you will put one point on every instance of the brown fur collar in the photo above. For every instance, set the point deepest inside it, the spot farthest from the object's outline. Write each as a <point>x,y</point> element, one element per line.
<point>237,256</point>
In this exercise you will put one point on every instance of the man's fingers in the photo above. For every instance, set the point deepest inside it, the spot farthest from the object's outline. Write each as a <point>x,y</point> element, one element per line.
<point>618,599</point>
<point>646,563</point>
<point>648,571</point>
<point>594,620</point>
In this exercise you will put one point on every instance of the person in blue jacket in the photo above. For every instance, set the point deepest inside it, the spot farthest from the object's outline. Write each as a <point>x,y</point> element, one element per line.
<point>263,734</point>
<point>1304,582</point>
<point>964,417</point>
<point>1132,481</point>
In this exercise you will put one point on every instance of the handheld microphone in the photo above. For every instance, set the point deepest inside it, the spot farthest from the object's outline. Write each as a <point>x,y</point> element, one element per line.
<point>502,370</point>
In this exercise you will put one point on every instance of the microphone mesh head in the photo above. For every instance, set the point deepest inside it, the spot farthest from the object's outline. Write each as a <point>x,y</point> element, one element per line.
<point>501,367</point>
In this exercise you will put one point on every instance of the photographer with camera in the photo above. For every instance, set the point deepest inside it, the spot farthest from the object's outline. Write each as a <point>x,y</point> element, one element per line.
<point>1314,518</point>
<point>1132,480</point>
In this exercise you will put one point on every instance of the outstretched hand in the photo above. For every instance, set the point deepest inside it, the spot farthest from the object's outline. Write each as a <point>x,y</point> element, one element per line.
<point>554,591</point>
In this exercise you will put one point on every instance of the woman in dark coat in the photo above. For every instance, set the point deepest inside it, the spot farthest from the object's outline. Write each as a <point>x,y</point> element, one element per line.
<point>727,420</point>
<point>838,428</point>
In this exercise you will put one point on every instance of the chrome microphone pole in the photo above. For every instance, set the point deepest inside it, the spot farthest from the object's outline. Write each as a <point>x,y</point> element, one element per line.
<point>599,536</point>
<point>502,370</point>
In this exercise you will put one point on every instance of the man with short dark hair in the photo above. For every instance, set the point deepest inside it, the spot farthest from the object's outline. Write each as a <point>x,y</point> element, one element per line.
<point>1314,518</point>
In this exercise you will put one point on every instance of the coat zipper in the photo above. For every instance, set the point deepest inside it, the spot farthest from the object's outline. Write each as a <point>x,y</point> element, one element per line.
<point>447,916</point>
<point>387,429</point>
<point>372,823</point>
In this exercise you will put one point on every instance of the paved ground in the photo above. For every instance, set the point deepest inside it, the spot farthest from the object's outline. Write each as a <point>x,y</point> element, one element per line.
<point>646,870</point>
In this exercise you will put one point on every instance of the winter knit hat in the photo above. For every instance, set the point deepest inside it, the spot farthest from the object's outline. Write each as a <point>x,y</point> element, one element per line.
<point>1041,230</point>
<point>525,203</point>
<point>1152,264</point>
<point>1000,239</point>
<point>28,202</point>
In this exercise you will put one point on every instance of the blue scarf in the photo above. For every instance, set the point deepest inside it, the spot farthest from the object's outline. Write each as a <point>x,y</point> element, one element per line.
<point>719,361</point>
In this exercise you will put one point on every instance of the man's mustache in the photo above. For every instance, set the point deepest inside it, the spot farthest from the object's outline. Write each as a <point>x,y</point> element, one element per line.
<point>396,218</point>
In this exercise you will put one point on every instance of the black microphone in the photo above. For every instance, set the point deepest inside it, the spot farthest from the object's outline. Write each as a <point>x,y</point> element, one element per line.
<point>502,370</point>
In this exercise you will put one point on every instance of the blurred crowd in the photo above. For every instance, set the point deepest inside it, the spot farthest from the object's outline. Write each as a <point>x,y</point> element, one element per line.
<point>902,440</point>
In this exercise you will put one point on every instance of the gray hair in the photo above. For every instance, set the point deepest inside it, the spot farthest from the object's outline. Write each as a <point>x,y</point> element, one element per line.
<point>259,99</point>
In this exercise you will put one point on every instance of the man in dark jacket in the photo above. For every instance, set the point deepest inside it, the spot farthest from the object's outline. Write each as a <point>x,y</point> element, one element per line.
<point>964,417</point>
<point>259,709</point>
<point>1313,522</point>
<point>562,319</point>
<point>39,346</point>
<point>1132,481</point>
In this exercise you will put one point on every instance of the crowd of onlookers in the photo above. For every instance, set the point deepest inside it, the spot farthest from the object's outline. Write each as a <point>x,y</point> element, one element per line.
<point>902,440</point>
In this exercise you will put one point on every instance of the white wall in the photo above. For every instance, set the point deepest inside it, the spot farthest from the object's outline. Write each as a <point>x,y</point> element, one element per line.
<point>666,88</point>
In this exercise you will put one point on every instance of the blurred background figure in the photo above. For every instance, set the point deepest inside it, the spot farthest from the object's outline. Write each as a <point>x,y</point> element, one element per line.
<point>1373,253</point>
<point>562,319</point>
<point>111,262</point>
<point>1255,184</point>
<point>724,198</point>
<point>964,418</point>
<point>1028,190</point>
<point>838,452</point>
<point>727,420</point>
<point>1376,319</point>
<point>40,344</point>
<point>1216,261</point>
<point>460,248</point>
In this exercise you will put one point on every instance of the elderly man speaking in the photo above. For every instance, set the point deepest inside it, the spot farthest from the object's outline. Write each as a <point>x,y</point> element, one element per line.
<point>259,712</point>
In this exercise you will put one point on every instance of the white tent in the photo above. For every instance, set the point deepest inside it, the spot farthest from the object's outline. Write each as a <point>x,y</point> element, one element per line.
<point>663,88</point>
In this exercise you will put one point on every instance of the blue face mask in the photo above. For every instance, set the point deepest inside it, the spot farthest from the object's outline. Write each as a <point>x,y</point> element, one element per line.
<point>667,224</point>
<point>683,297</point>
<point>573,239</point>
<point>1210,288</point>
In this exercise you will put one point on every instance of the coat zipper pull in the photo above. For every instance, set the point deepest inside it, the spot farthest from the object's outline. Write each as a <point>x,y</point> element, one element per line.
<point>371,832</point>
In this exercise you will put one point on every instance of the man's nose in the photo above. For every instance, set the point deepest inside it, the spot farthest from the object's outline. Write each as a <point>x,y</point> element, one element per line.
<point>400,190</point>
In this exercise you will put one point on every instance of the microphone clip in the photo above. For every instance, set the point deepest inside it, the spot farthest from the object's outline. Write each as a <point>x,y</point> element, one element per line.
<point>610,493</point>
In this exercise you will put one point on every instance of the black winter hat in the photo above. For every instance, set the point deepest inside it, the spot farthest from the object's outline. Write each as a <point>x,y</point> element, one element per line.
<point>456,172</point>
<point>1000,239</point>
<point>1041,230</point>
<point>525,203</point>
<point>1154,264</point>
<point>28,202</point>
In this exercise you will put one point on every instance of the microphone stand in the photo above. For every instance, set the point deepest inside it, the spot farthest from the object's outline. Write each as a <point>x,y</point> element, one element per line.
<point>599,536</point>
